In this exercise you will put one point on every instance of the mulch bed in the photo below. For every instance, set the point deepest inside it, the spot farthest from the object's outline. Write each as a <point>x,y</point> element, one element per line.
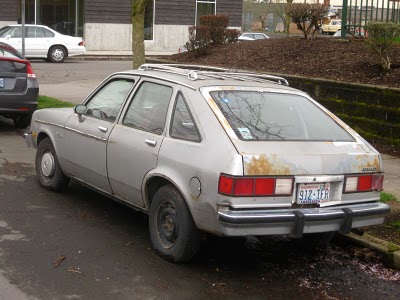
<point>328,58</point>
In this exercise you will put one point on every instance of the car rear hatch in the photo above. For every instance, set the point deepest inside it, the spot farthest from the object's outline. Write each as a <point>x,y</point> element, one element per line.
<point>13,77</point>
<point>291,147</point>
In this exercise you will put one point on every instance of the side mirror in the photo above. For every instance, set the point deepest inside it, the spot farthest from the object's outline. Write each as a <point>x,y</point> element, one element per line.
<point>8,36</point>
<point>80,109</point>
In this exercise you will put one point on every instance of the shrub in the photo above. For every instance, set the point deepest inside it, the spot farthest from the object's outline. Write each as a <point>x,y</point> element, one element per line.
<point>231,35</point>
<point>199,38</point>
<point>382,40</point>
<point>218,25</point>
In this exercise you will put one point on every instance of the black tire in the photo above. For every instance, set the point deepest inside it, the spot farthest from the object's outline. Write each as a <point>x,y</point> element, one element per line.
<point>48,170</point>
<point>57,54</point>
<point>173,232</point>
<point>22,121</point>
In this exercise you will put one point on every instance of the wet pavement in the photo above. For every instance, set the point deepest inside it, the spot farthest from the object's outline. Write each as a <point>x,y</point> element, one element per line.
<point>81,245</point>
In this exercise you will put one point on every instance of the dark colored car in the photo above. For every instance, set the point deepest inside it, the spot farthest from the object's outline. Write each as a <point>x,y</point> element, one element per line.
<point>19,88</point>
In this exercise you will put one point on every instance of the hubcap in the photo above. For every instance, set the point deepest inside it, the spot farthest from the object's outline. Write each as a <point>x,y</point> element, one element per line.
<point>167,224</point>
<point>47,164</point>
<point>58,54</point>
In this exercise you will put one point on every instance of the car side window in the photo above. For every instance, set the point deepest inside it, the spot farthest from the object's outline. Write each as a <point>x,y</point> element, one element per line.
<point>258,37</point>
<point>148,109</point>
<point>108,101</point>
<point>16,33</point>
<point>48,33</point>
<point>182,124</point>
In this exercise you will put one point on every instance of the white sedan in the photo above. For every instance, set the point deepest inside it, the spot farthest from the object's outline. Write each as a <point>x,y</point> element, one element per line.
<point>42,42</point>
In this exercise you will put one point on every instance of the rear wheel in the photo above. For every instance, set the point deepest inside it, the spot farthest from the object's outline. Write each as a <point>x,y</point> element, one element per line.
<point>173,232</point>
<point>22,121</point>
<point>57,54</point>
<point>48,170</point>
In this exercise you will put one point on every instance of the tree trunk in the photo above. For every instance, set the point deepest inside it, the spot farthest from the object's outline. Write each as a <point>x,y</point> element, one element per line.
<point>138,12</point>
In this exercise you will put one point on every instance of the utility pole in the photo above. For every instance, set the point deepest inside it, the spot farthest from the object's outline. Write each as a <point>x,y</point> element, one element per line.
<point>23,26</point>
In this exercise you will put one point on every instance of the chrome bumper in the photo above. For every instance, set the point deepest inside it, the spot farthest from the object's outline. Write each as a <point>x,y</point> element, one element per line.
<point>295,222</point>
<point>30,141</point>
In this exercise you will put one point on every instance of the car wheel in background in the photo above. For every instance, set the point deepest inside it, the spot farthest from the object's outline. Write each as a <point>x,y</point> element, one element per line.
<point>57,54</point>
<point>48,170</point>
<point>22,121</point>
<point>173,232</point>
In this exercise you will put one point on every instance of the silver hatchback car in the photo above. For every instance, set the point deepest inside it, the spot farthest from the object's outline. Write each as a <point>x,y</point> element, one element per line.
<point>202,149</point>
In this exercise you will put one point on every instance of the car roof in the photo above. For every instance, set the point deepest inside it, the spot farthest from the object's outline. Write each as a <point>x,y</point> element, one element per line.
<point>6,46</point>
<point>197,76</point>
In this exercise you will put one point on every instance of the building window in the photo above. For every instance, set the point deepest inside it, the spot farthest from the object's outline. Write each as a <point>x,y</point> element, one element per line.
<point>149,21</point>
<point>204,8</point>
<point>64,16</point>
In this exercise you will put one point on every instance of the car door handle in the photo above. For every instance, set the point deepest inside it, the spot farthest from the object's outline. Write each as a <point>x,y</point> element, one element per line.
<point>103,129</point>
<point>150,143</point>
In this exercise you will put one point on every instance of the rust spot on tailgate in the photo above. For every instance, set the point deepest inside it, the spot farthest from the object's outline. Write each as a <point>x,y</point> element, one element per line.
<point>261,165</point>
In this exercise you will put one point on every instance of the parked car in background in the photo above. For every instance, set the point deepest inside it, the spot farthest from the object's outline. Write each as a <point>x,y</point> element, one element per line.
<point>43,42</point>
<point>18,87</point>
<point>251,36</point>
<point>332,27</point>
<point>209,150</point>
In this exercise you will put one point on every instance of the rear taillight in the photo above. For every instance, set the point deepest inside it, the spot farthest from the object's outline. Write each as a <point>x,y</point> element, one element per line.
<point>363,183</point>
<point>242,186</point>
<point>81,43</point>
<point>29,71</point>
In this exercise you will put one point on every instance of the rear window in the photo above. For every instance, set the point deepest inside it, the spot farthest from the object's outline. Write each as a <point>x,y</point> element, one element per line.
<point>264,116</point>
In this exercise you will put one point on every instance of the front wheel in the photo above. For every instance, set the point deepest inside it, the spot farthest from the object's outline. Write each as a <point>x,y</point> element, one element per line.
<point>56,54</point>
<point>48,170</point>
<point>173,232</point>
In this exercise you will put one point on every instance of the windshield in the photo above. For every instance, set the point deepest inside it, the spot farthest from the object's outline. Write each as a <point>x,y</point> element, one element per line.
<point>265,116</point>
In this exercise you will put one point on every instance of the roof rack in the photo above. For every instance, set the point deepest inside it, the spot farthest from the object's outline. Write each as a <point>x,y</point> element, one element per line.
<point>199,72</point>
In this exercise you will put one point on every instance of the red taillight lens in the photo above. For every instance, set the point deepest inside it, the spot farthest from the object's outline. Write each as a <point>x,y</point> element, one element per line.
<point>82,43</point>
<point>29,71</point>
<point>243,187</point>
<point>377,182</point>
<point>264,186</point>
<point>363,183</point>
<point>225,185</point>
<point>239,186</point>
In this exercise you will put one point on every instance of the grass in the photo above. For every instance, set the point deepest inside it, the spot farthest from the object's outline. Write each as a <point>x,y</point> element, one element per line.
<point>394,224</point>
<point>48,102</point>
<point>386,197</point>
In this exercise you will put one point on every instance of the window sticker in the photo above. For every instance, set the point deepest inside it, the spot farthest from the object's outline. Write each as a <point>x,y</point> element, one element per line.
<point>225,100</point>
<point>246,134</point>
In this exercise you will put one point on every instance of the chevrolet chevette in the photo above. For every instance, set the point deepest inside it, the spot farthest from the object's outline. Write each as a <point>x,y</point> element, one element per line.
<point>210,150</point>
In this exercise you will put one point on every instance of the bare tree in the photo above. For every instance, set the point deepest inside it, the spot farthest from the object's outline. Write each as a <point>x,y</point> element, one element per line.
<point>138,14</point>
<point>307,17</point>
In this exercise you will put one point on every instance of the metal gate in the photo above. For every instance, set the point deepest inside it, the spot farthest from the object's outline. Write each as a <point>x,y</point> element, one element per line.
<point>356,13</point>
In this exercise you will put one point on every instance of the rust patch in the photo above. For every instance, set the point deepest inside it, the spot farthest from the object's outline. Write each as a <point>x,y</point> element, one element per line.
<point>225,124</point>
<point>263,166</point>
<point>365,164</point>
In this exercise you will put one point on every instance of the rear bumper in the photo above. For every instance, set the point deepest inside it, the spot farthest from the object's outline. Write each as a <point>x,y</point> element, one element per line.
<point>19,103</point>
<point>295,222</point>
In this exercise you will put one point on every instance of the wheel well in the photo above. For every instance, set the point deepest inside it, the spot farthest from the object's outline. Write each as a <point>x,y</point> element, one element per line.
<point>62,46</point>
<point>153,185</point>
<point>41,137</point>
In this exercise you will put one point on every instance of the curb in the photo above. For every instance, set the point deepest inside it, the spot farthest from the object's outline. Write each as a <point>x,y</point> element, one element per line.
<point>390,251</point>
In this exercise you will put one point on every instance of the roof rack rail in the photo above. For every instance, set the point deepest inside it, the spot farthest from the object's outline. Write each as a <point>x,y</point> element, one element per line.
<point>198,72</point>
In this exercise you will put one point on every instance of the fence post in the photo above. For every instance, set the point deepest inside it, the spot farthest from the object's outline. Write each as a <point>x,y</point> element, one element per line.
<point>344,19</point>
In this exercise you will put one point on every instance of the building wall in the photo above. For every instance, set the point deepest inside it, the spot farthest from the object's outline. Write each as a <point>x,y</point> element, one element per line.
<point>108,11</point>
<point>232,8</point>
<point>175,12</point>
<point>8,11</point>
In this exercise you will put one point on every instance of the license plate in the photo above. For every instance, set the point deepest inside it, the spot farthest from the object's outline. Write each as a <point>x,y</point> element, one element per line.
<point>313,193</point>
<point>1,82</point>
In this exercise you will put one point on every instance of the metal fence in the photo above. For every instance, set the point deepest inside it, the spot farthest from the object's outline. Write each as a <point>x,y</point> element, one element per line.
<point>356,14</point>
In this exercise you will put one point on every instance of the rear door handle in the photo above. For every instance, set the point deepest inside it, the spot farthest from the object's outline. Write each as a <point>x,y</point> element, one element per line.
<point>150,142</point>
<point>103,129</point>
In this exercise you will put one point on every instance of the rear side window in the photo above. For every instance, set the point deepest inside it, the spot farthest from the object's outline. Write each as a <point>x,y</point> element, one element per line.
<point>263,116</point>
<point>148,109</point>
<point>6,51</point>
<point>183,126</point>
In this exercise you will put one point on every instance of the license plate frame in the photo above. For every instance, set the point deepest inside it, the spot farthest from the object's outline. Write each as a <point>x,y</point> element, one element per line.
<point>2,84</point>
<point>313,193</point>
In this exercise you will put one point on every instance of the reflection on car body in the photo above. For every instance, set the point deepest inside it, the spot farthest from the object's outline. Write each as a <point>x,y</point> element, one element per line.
<point>203,149</point>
